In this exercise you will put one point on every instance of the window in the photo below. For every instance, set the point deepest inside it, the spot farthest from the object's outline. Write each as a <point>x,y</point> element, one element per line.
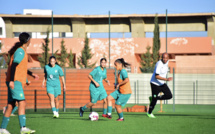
<point>0,30</point>
<point>112,35</point>
<point>16,34</point>
<point>63,34</point>
<point>179,34</point>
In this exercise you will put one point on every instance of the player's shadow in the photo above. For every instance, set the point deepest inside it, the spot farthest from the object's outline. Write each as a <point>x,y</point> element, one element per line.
<point>173,115</point>
<point>50,113</point>
<point>177,115</point>
<point>85,119</point>
<point>78,118</point>
<point>207,118</point>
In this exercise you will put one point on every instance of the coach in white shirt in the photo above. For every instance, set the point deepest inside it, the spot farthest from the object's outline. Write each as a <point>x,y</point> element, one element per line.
<point>158,83</point>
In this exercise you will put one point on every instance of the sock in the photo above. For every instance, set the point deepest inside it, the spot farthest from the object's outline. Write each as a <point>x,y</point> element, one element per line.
<point>109,109</point>
<point>120,115</point>
<point>150,109</point>
<point>84,107</point>
<point>57,110</point>
<point>14,109</point>
<point>5,122</point>
<point>105,111</point>
<point>22,120</point>
<point>53,109</point>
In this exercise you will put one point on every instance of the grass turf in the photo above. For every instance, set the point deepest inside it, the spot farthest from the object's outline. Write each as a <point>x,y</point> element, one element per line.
<point>186,121</point>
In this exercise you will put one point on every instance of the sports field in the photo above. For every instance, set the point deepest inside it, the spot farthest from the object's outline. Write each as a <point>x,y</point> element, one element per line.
<point>188,119</point>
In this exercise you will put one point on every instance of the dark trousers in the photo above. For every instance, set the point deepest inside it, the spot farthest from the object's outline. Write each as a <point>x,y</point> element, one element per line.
<point>155,91</point>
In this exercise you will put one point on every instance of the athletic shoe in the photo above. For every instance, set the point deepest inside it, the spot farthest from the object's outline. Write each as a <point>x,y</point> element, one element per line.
<point>54,115</point>
<point>81,113</point>
<point>104,115</point>
<point>4,109</point>
<point>12,115</point>
<point>57,115</point>
<point>120,119</point>
<point>109,116</point>
<point>25,130</point>
<point>4,131</point>
<point>150,99</point>
<point>150,115</point>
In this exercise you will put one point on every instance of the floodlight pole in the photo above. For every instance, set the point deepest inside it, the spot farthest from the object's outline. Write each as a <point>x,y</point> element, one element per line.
<point>52,32</point>
<point>109,37</point>
<point>166,29</point>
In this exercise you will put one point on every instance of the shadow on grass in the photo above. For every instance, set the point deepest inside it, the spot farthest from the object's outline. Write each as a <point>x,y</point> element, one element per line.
<point>65,118</point>
<point>84,119</point>
<point>144,114</point>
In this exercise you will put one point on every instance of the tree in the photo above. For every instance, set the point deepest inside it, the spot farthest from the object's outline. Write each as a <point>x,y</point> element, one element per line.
<point>43,59</point>
<point>156,41</point>
<point>71,57</point>
<point>83,60</point>
<point>146,61</point>
<point>1,58</point>
<point>64,55</point>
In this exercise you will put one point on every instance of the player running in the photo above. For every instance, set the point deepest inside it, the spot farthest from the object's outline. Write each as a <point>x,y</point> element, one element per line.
<point>123,92</point>
<point>158,83</point>
<point>97,90</point>
<point>15,80</point>
<point>51,78</point>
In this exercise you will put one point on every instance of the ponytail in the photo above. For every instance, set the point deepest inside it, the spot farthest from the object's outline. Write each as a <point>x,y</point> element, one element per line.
<point>23,38</point>
<point>13,49</point>
<point>122,61</point>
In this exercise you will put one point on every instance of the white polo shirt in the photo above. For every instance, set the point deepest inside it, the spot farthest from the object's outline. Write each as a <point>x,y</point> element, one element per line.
<point>160,69</point>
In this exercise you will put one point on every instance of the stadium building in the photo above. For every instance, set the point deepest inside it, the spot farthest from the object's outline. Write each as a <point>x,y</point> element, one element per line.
<point>190,42</point>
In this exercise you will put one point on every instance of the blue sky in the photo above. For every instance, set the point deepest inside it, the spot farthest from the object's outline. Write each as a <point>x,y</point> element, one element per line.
<point>95,7</point>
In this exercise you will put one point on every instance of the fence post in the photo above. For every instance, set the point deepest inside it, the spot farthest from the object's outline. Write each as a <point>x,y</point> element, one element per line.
<point>64,93</point>
<point>173,89</point>
<point>135,92</point>
<point>194,85</point>
<point>196,90</point>
<point>35,100</point>
<point>91,109</point>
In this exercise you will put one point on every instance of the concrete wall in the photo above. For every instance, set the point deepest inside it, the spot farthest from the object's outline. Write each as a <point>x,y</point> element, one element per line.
<point>137,25</point>
<point>195,61</point>
<point>128,48</point>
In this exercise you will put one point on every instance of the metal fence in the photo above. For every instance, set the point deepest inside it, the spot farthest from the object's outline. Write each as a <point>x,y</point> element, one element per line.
<point>189,86</point>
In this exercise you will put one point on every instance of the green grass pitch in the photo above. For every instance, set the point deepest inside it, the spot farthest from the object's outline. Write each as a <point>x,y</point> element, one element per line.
<point>193,119</point>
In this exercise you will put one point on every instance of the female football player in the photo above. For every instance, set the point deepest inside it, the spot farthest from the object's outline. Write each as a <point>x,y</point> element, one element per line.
<point>123,92</point>
<point>52,72</point>
<point>97,90</point>
<point>15,80</point>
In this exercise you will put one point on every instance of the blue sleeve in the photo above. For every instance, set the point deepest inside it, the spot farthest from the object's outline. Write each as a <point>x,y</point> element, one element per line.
<point>18,55</point>
<point>93,72</point>
<point>60,71</point>
<point>26,80</point>
<point>124,74</point>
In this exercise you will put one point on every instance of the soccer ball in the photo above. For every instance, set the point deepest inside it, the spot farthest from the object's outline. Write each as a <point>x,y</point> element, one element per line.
<point>93,116</point>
